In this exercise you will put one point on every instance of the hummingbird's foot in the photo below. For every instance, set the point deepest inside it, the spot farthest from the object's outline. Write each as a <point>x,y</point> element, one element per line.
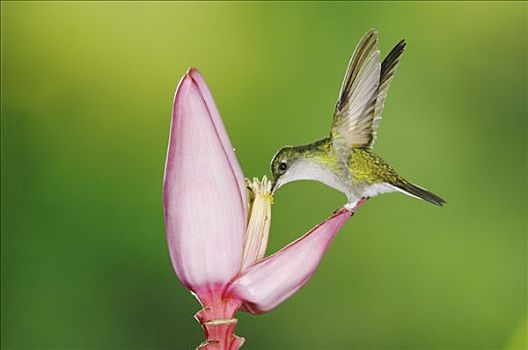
<point>352,207</point>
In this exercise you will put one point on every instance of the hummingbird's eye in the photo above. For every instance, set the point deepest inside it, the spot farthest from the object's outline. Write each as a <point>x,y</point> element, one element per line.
<point>283,166</point>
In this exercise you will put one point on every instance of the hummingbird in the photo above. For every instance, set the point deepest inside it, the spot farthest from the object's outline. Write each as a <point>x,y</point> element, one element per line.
<point>344,160</point>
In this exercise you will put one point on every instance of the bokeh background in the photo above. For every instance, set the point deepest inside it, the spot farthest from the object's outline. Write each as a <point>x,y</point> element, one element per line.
<point>86,100</point>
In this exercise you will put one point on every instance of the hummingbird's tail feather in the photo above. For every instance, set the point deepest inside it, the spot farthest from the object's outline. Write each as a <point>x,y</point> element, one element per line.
<point>419,192</point>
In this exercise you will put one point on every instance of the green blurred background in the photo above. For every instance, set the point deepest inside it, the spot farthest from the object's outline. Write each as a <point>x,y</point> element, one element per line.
<point>86,101</point>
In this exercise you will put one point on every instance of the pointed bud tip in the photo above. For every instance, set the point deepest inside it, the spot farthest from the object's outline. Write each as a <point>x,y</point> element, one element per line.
<point>195,74</point>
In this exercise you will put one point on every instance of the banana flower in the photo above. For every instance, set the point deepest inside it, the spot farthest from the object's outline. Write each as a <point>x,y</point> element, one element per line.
<point>217,224</point>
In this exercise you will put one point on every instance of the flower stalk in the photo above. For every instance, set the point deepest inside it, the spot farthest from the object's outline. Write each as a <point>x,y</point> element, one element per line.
<point>218,322</point>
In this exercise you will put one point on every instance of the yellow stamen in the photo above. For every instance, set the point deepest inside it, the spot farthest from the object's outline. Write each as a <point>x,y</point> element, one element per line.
<point>259,220</point>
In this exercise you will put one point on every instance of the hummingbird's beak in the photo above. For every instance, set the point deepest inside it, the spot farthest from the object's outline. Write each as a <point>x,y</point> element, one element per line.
<point>274,186</point>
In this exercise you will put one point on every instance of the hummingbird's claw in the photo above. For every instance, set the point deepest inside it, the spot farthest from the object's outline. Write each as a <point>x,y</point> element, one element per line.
<point>352,207</point>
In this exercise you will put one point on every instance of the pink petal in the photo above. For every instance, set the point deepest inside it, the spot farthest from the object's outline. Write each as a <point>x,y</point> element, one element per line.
<point>222,133</point>
<point>269,282</point>
<point>204,211</point>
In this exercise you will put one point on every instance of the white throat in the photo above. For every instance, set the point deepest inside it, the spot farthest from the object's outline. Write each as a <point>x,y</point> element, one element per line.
<point>309,170</point>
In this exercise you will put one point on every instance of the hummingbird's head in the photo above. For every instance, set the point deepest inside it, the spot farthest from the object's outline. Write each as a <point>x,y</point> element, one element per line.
<point>315,161</point>
<point>283,166</point>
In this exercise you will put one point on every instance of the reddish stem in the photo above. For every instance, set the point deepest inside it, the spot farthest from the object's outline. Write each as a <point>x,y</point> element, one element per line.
<point>218,322</point>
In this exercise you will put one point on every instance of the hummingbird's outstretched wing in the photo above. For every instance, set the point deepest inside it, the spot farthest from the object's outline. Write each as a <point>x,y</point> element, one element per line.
<point>388,68</point>
<point>363,93</point>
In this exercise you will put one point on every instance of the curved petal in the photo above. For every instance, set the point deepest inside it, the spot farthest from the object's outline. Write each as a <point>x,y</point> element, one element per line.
<point>222,133</point>
<point>204,212</point>
<point>269,282</point>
